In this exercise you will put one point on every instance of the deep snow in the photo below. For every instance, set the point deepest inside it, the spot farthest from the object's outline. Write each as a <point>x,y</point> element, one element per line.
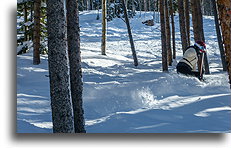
<point>121,98</point>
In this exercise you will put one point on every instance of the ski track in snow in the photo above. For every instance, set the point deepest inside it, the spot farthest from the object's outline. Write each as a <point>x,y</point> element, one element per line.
<point>121,98</point>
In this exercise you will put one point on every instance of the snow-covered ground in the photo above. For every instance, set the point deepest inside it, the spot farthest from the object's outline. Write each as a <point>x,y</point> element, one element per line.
<point>121,98</point>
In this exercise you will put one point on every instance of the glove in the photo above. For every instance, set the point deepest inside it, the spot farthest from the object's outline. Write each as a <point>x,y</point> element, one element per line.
<point>202,51</point>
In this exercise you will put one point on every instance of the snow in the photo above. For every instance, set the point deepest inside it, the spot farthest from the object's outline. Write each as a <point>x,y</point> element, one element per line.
<point>121,98</point>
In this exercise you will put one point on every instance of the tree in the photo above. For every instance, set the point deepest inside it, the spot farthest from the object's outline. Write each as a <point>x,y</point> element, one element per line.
<point>163,37</point>
<point>73,38</point>
<point>168,34</point>
<point>129,33</point>
<point>207,7</point>
<point>224,8</point>
<point>173,28</point>
<point>36,38</point>
<point>145,5</point>
<point>104,24</point>
<point>219,38</point>
<point>198,30</point>
<point>62,115</point>
<point>187,19</point>
<point>25,21</point>
<point>184,38</point>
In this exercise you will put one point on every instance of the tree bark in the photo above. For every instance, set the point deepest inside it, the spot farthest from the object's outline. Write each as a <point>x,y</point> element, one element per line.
<point>173,30</point>
<point>25,21</point>
<point>187,20</point>
<point>198,30</point>
<point>219,38</point>
<point>62,113</point>
<point>73,39</point>
<point>224,8</point>
<point>130,34</point>
<point>184,38</point>
<point>163,38</point>
<point>168,34</point>
<point>104,24</point>
<point>37,32</point>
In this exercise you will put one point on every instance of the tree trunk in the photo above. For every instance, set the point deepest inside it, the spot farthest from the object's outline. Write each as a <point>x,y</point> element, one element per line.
<point>163,38</point>
<point>133,7</point>
<point>62,115</point>
<point>224,8</point>
<point>104,24</point>
<point>173,30</point>
<point>73,39</point>
<point>184,38</point>
<point>130,34</point>
<point>145,5</point>
<point>31,19</point>
<point>187,20</point>
<point>168,34</point>
<point>25,21</point>
<point>36,41</point>
<point>198,30</point>
<point>219,38</point>
<point>149,5</point>
<point>230,52</point>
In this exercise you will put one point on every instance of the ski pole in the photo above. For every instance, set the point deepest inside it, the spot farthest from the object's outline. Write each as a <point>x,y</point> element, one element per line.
<point>202,62</point>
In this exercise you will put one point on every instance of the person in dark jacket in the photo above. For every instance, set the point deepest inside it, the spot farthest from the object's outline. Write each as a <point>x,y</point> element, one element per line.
<point>188,64</point>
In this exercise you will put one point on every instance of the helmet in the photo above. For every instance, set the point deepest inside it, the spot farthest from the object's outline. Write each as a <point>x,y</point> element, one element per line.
<point>200,45</point>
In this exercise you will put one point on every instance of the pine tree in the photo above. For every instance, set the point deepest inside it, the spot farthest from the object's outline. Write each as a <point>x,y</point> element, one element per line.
<point>184,38</point>
<point>73,38</point>
<point>129,33</point>
<point>163,37</point>
<point>168,34</point>
<point>224,8</point>
<point>173,29</point>
<point>25,21</point>
<point>219,38</point>
<point>62,115</point>
<point>198,30</point>
<point>37,32</point>
<point>104,24</point>
<point>187,20</point>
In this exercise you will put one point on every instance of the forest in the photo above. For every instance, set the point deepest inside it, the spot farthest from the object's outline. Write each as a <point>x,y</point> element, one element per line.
<point>110,66</point>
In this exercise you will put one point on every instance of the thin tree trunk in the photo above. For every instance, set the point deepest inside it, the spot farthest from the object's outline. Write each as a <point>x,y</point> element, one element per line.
<point>104,24</point>
<point>62,114</point>
<point>133,7</point>
<point>145,5</point>
<point>163,38</point>
<point>219,38</point>
<point>173,30</point>
<point>206,63</point>
<point>149,3</point>
<point>158,14</point>
<point>31,19</point>
<point>168,34</point>
<point>184,38</point>
<point>140,7</point>
<point>37,34</point>
<point>187,20</point>
<point>73,38</point>
<point>130,34</point>
<point>25,21</point>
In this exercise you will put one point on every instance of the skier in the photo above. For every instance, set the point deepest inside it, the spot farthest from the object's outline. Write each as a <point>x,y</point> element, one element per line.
<point>188,64</point>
